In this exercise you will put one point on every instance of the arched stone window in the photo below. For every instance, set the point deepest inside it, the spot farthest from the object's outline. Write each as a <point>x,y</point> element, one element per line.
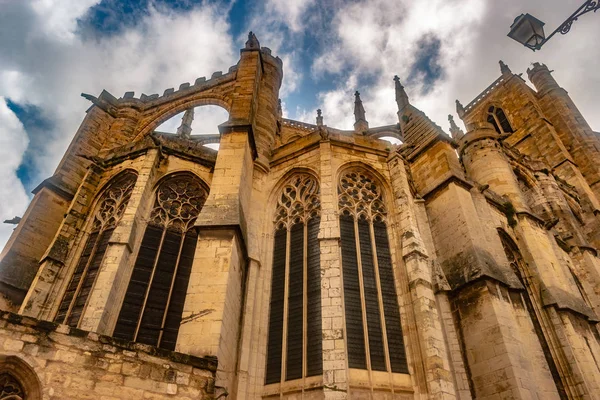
<point>108,213</point>
<point>294,346</point>
<point>153,304</point>
<point>18,381</point>
<point>373,330</point>
<point>497,118</point>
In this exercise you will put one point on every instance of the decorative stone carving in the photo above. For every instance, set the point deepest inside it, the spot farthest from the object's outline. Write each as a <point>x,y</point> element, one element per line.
<point>360,196</point>
<point>299,201</point>
<point>179,200</point>
<point>114,200</point>
<point>10,388</point>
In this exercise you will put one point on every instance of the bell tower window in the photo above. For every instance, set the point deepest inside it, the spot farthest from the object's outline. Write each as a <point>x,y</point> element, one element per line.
<point>373,330</point>
<point>294,347</point>
<point>153,304</point>
<point>498,119</point>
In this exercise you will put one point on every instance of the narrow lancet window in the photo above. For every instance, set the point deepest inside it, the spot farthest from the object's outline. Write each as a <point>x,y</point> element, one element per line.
<point>498,119</point>
<point>153,304</point>
<point>373,330</point>
<point>108,213</point>
<point>294,345</point>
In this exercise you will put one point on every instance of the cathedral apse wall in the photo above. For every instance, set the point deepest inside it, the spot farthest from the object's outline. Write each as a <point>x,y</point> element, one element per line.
<point>304,261</point>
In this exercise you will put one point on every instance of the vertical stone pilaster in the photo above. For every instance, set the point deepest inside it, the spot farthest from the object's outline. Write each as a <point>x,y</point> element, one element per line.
<point>213,305</point>
<point>335,364</point>
<point>430,356</point>
<point>246,369</point>
<point>100,314</point>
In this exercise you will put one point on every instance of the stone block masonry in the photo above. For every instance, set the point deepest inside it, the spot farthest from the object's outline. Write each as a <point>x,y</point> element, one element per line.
<point>66,363</point>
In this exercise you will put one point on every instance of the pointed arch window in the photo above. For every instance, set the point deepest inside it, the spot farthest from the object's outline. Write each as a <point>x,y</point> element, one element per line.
<point>373,330</point>
<point>294,347</point>
<point>108,213</point>
<point>153,304</point>
<point>497,118</point>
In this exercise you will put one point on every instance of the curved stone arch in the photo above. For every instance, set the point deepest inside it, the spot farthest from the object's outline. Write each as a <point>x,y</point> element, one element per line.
<point>23,373</point>
<point>156,117</point>
<point>179,172</point>
<point>278,186</point>
<point>105,183</point>
<point>387,133</point>
<point>102,188</point>
<point>386,189</point>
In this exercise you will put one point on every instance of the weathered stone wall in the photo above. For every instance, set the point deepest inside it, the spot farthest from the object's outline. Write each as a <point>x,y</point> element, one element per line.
<point>69,363</point>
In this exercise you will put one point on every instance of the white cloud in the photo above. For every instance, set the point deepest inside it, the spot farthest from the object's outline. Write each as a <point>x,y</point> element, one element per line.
<point>13,142</point>
<point>290,11</point>
<point>50,70</point>
<point>163,50</point>
<point>372,40</point>
<point>59,17</point>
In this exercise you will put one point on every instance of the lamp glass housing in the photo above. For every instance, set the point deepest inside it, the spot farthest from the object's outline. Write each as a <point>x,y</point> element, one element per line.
<point>528,30</point>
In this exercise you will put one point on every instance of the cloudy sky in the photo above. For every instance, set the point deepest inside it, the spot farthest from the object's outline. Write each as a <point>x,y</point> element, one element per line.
<point>52,50</point>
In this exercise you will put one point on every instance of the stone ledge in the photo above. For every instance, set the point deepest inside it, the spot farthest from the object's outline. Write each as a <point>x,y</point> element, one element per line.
<point>208,362</point>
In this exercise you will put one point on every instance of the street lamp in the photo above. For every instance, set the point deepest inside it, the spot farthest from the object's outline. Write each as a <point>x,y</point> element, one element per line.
<point>529,31</point>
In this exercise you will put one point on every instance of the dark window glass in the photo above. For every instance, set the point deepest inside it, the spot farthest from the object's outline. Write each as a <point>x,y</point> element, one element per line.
<point>296,283</point>
<point>153,304</point>
<point>364,258</point>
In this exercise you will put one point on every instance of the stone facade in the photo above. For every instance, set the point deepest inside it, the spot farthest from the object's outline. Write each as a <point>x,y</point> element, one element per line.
<point>491,238</point>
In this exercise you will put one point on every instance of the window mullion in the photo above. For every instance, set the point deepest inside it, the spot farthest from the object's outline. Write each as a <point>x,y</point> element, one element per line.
<point>380,299</point>
<point>82,277</point>
<point>162,324</point>
<point>500,127</point>
<point>304,299</point>
<point>141,316</point>
<point>362,296</point>
<point>286,289</point>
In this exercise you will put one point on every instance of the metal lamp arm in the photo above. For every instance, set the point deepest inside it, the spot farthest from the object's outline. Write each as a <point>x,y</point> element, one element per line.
<point>565,27</point>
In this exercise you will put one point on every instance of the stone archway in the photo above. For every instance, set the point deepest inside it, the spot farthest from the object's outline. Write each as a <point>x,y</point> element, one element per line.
<point>18,380</point>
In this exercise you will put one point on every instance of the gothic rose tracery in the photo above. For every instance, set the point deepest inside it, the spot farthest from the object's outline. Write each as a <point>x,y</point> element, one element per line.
<point>179,200</point>
<point>114,200</point>
<point>299,201</point>
<point>10,388</point>
<point>360,197</point>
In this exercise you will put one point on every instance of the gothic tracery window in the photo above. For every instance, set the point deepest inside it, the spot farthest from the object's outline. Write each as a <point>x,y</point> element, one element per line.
<point>153,304</point>
<point>294,344</point>
<point>10,388</point>
<point>373,330</point>
<point>498,119</point>
<point>108,213</point>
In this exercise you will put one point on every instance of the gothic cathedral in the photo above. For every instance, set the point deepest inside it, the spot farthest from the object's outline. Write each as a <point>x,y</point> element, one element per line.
<point>301,261</point>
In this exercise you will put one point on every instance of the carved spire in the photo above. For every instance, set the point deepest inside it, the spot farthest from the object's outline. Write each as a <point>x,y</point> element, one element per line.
<point>319,118</point>
<point>455,131</point>
<point>252,42</point>
<point>360,124</point>
<point>185,129</point>
<point>401,96</point>
<point>504,68</point>
<point>460,110</point>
